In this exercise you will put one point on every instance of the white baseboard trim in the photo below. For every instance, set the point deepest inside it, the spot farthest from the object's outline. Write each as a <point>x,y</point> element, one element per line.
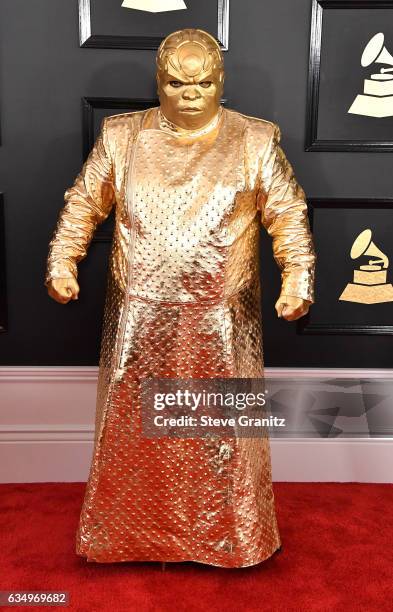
<point>47,431</point>
<point>333,460</point>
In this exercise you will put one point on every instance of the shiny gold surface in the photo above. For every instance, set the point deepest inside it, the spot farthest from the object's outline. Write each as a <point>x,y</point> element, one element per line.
<point>183,300</point>
<point>190,78</point>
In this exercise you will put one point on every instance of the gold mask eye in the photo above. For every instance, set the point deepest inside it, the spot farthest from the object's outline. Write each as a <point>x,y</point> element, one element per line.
<point>175,83</point>
<point>205,84</point>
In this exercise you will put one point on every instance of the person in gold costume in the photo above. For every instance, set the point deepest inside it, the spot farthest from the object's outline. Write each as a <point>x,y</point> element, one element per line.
<point>191,182</point>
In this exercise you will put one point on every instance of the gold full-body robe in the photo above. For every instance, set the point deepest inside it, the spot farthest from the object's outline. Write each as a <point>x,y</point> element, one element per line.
<point>183,301</point>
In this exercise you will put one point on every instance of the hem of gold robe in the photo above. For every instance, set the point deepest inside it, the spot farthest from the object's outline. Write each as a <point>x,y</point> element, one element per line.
<point>260,559</point>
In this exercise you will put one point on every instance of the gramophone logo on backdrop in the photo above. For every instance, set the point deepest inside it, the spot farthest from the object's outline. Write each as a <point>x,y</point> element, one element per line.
<point>377,99</point>
<point>369,280</point>
<point>155,6</point>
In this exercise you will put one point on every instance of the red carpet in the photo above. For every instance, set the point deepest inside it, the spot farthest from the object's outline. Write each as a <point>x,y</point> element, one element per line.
<point>337,555</point>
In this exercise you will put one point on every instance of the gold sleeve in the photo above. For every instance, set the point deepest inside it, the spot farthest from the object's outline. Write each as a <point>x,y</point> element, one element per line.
<point>284,215</point>
<point>87,203</point>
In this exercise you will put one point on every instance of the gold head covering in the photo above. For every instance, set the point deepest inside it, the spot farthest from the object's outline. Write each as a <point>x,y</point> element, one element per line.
<point>190,53</point>
<point>190,77</point>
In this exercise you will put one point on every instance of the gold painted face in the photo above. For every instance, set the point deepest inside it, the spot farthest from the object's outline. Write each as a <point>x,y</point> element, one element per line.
<point>190,78</point>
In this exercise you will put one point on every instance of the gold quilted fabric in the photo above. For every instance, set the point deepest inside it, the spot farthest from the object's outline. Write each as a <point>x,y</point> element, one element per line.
<point>183,301</point>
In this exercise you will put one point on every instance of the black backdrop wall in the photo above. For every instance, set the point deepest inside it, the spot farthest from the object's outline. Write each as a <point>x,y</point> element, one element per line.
<point>44,74</point>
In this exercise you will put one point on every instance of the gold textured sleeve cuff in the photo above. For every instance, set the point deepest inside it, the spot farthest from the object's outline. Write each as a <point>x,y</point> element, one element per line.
<point>299,283</point>
<point>59,272</point>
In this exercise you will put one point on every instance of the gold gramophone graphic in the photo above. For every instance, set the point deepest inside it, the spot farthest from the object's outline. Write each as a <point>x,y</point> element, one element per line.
<point>377,99</point>
<point>369,281</point>
<point>154,6</point>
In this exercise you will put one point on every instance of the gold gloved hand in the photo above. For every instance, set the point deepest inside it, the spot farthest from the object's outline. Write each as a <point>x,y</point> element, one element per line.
<point>63,289</point>
<point>291,308</point>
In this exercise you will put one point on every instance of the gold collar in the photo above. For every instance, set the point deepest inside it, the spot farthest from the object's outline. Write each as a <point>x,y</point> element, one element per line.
<point>168,126</point>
